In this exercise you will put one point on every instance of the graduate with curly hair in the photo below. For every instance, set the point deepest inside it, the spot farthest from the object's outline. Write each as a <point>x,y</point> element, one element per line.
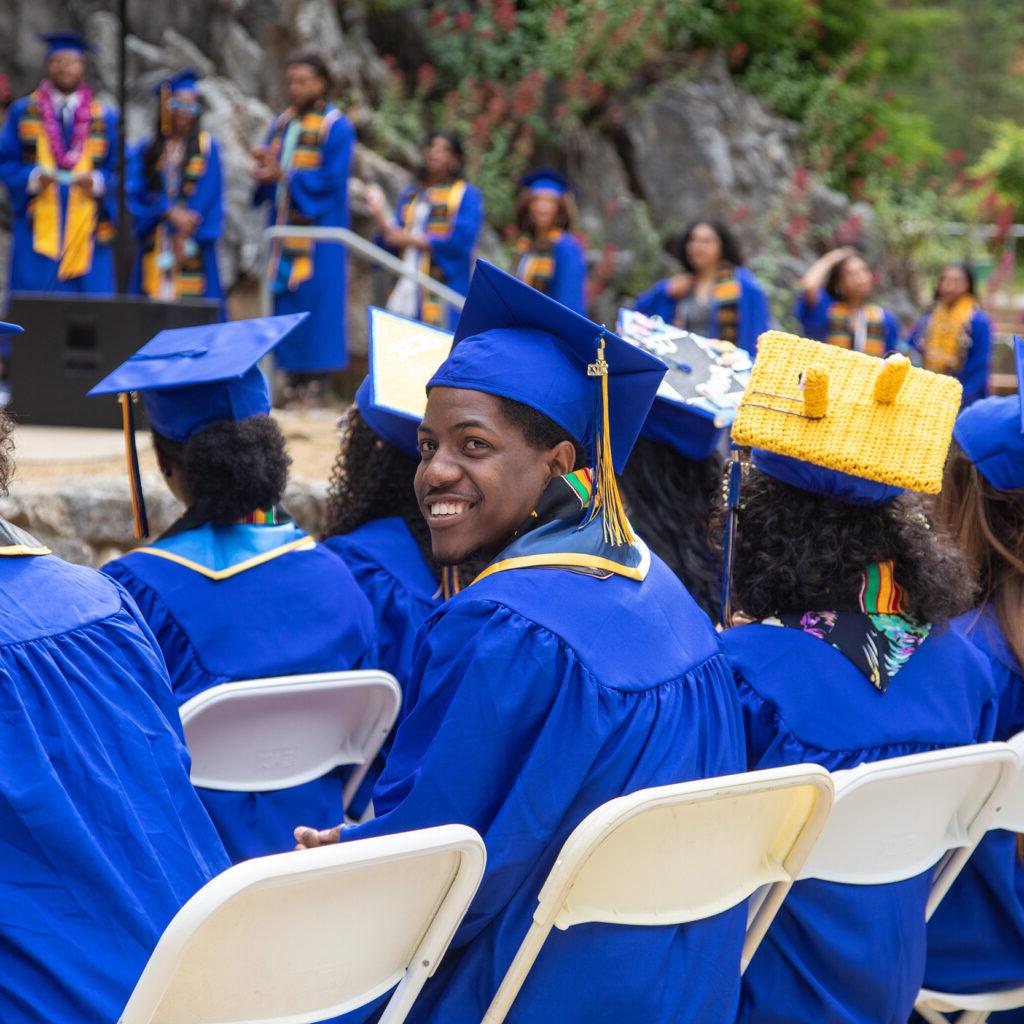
<point>234,589</point>
<point>841,646</point>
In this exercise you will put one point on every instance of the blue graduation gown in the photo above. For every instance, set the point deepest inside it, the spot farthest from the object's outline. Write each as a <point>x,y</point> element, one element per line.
<point>814,320</point>
<point>29,271</point>
<point>568,284</point>
<point>976,936</point>
<point>974,374</point>
<point>148,210</point>
<point>283,605</point>
<point>104,838</point>
<point>754,314</point>
<point>321,196</point>
<point>848,954</point>
<point>536,695</point>
<point>390,570</point>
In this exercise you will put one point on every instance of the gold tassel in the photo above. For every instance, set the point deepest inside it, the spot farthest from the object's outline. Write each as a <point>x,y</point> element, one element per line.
<point>134,475</point>
<point>606,500</point>
<point>165,110</point>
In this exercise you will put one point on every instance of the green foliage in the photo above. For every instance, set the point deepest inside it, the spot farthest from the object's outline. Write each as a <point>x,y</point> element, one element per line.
<point>1003,162</point>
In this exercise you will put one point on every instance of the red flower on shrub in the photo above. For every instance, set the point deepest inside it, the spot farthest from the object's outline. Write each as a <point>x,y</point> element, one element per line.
<point>801,177</point>
<point>558,20</point>
<point>437,19</point>
<point>738,53</point>
<point>426,77</point>
<point>463,21</point>
<point>956,157</point>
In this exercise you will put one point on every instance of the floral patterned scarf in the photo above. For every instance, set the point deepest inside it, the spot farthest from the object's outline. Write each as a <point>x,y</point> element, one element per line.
<point>878,638</point>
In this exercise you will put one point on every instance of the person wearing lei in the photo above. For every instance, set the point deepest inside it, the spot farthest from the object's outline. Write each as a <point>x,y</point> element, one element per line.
<point>435,227</point>
<point>955,336</point>
<point>301,171</point>
<point>714,295</point>
<point>234,589</point>
<point>549,256</point>
<point>58,159</point>
<point>176,198</point>
<point>839,598</point>
<point>834,305</point>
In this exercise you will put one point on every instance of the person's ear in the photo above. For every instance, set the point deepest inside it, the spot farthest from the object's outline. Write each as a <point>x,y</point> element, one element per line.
<point>561,458</point>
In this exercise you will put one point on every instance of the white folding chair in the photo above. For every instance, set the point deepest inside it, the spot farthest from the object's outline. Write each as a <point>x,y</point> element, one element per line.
<point>677,854</point>
<point>265,734</point>
<point>302,937</point>
<point>933,1004</point>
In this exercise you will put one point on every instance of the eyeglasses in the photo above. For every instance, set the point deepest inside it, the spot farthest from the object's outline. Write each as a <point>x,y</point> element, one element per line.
<point>185,107</point>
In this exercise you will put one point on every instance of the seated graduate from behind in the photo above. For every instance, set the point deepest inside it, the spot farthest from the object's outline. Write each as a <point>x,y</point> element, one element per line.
<point>234,589</point>
<point>555,681</point>
<point>104,838</point>
<point>846,655</point>
<point>373,518</point>
<point>976,936</point>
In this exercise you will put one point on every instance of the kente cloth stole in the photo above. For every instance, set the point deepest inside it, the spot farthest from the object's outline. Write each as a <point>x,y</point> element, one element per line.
<point>879,637</point>
<point>445,200</point>
<point>189,278</point>
<point>292,260</point>
<point>947,337</point>
<point>727,295</point>
<point>70,243</point>
<point>260,517</point>
<point>840,329</point>
<point>536,263</point>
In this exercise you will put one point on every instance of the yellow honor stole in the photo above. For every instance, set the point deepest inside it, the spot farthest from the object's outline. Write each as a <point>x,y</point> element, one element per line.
<point>946,337</point>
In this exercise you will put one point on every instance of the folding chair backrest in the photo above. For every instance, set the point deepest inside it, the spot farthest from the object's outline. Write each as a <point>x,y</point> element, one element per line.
<point>1011,814</point>
<point>301,937</point>
<point>896,818</point>
<point>266,734</point>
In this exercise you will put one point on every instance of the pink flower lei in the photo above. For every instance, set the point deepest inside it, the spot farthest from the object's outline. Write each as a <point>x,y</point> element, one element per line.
<point>66,157</point>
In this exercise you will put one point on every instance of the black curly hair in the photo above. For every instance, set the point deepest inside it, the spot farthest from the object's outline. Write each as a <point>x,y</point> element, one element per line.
<point>669,499</point>
<point>797,551</point>
<point>230,468</point>
<point>372,479</point>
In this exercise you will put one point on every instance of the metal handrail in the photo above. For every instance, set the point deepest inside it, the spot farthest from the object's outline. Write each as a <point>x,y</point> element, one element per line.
<point>357,244</point>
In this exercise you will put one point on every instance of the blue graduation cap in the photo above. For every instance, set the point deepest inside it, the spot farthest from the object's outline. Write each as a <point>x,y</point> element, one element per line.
<point>185,80</point>
<point>514,342</point>
<point>194,376</point>
<point>57,42</point>
<point>403,355</point>
<point>545,179</point>
<point>991,433</point>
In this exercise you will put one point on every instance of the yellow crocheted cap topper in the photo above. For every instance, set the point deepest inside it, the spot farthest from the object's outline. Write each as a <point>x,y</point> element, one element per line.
<point>878,419</point>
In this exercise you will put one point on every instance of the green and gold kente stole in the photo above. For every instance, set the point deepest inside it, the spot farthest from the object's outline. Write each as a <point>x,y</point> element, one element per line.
<point>260,517</point>
<point>291,262</point>
<point>727,304</point>
<point>840,329</point>
<point>189,277</point>
<point>445,200</point>
<point>536,263</point>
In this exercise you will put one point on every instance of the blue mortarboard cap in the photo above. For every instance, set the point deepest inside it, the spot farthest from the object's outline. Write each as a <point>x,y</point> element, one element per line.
<point>514,342</point>
<point>6,328</point>
<point>185,80</point>
<point>194,376</point>
<point>991,433</point>
<point>403,355</point>
<point>545,179</point>
<point>829,483</point>
<point>58,41</point>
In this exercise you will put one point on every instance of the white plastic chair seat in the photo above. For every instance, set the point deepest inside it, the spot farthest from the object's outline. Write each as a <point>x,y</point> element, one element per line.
<point>302,937</point>
<point>266,734</point>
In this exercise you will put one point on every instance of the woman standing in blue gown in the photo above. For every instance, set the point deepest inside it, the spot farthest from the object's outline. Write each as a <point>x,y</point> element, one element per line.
<point>104,838</point>
<point>234,589</point>
<point>555,681</point>
<point>976,937</point>
<point>845,595</point>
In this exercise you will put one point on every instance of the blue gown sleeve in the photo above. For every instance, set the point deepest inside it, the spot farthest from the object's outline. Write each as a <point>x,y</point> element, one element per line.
<point>656,301</point>
<point>13,171</point>
<point>315,192</point>
<point>208,198</point>
<point>108,169</point>
<point>892,332</point>
<point>568,286</point>
<point>755,315</point>
<point>146,207</point>
<point>974,375</point>
<point>760,721</point>
<point>915,339</point>
<point>813,316</point>
<point>528,763</point>
<point>458,244</point>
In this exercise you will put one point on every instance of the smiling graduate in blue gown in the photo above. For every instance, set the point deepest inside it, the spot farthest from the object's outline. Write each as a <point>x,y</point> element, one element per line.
<point>846,656</point>
<point>574,669</point>
<point>104,838</point>
<point>976,936</point>
<point>235,590</point>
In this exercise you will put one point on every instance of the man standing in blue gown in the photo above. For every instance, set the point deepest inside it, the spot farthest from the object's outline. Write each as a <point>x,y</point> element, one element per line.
<point>104,838</point>
<point>574,669</point>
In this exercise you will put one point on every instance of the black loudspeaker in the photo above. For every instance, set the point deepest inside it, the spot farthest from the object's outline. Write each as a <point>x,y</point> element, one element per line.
<point>71,342</point>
